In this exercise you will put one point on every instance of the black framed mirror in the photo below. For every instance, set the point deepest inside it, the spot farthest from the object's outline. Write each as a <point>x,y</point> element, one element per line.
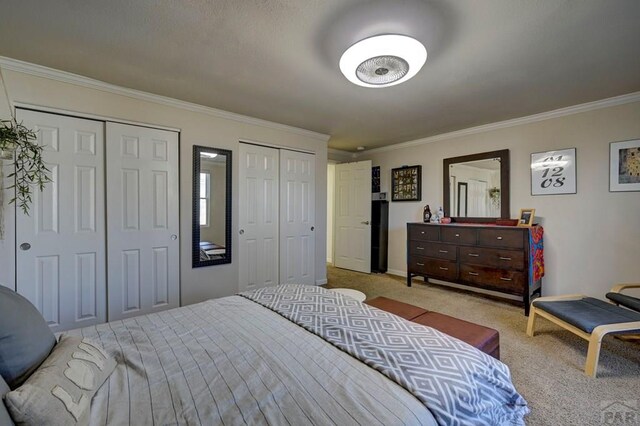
<point>211,243</point>
<point>476,187</point>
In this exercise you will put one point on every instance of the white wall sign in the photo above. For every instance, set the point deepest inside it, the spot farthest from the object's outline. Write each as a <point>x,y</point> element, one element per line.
<point>553,172</point>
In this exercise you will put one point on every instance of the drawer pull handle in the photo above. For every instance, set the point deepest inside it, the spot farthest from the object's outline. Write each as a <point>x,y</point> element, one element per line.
<point>419,248</point>
<point>422,232</point>
<point>443,251</point>
<point>457,235</point>
<point>505,258</point>
<point>474,255</point>
<point>506,279</point>
<point>444,269</point>
<point>499,238</point>
<point>419,264</point>
<point>475,274</point>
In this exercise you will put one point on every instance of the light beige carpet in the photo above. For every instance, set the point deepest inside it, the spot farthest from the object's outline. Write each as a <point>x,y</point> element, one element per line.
<point>548,369</point>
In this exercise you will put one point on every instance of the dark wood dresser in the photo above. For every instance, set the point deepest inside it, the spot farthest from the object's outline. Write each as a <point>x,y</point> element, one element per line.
<point>483,256</point>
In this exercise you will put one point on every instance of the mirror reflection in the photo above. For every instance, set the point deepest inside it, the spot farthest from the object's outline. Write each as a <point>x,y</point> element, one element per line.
<point>211,228</point>
<point>475,188</point>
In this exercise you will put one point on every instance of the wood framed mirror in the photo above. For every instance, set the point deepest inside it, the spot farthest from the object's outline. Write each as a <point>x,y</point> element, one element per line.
<point>211,243</point>
<point>476,187</point>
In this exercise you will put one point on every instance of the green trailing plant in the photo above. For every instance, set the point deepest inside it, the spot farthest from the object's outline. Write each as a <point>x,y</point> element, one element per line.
<point>29,168</point>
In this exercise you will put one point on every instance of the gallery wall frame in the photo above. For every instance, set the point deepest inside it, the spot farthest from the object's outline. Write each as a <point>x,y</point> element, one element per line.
<point>406,183</point>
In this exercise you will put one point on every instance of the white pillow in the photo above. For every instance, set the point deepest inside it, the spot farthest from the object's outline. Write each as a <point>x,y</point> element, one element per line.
<point>59,392</point>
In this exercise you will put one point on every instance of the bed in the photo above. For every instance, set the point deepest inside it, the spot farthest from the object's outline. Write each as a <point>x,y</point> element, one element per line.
<point>294,354</point>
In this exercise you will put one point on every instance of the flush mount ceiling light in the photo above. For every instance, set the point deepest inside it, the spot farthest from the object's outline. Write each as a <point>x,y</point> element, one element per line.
<point>382,61</point>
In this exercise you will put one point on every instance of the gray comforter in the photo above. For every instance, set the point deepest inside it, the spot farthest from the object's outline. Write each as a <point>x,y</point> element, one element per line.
<point>231,361</point>
<point>458,383</point>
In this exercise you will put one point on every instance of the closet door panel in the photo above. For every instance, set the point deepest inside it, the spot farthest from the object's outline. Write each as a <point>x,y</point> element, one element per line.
<point>258,224</point>
<point>61,244</point>
<point>142,220</point>
<point>297,218</point>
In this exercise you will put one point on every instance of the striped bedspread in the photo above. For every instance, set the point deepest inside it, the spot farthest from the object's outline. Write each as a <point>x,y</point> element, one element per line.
<point>458,383</point>
<point>231,361</point>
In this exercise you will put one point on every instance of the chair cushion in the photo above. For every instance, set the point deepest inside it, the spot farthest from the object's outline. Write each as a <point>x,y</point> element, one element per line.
<point>587,313</point>
<point>25,338</point>
<point>625,300</point>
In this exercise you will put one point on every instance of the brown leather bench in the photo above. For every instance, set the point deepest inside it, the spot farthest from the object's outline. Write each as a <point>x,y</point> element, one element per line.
<point>484,338</point>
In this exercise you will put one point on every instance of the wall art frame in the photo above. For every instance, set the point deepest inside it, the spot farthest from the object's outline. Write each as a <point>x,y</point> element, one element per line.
<point>554,172</point>
<point>624,166</point>
<point>406,183</point>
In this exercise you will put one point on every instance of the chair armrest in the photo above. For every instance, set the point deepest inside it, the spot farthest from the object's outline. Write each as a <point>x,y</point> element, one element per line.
<point>600,331</point>
<point>563,297</point>
<point>618,288</point>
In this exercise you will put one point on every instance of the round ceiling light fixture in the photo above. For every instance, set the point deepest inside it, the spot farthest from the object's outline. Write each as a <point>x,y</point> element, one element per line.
<point>383,61</point>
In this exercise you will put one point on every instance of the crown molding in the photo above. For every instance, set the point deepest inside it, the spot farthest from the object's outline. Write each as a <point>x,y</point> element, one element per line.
<point>576,109</point>
<point>340,154</point>
<point>78,80</point>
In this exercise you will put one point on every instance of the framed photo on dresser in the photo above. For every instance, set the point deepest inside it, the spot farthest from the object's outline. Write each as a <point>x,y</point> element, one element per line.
<point>553,172</point>
<point>406,183</point>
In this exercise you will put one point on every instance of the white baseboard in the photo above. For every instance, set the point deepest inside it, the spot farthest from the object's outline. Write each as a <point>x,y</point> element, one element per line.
<point>321,282</point>
<point>397,272</point>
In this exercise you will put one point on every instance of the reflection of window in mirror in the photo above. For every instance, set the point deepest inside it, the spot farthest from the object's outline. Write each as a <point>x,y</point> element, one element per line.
<point>205,196</point>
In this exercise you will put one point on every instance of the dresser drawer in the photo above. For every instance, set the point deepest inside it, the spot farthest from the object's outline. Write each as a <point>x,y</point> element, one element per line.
<point>497,258</point>
<point>423,232</point>
<point>507,238</point>
<point>499,279</point>
<point>430,249</point>
<point>442,269</point>
<point>459,235</point>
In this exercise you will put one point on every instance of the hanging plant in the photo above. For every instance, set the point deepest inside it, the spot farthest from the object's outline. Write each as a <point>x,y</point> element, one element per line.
<point>19,143</point>
<point>494,196</point>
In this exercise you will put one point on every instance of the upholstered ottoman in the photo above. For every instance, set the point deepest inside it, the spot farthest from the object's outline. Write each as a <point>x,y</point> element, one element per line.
<point>484,338</point>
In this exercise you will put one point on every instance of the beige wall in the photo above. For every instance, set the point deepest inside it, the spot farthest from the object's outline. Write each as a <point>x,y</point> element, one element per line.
<point>592,239</point>
<point>197,128</point>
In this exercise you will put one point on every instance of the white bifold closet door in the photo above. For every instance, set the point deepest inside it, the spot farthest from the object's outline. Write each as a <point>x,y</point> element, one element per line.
<point>142,220</point>
<point>62,245</point>
<point>60,255</point>
<point>277,213</point>
<point>297,217</point>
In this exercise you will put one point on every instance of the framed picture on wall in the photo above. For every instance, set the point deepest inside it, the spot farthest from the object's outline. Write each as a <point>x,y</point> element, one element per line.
<point>624,166</point>
<point>553,172</point>
<point>406,183</point>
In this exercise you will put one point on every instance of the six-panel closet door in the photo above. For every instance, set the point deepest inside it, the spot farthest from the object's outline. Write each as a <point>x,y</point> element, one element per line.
<point>142,220</point>
<point>297,217</point>
<point>277,213</point>
<point>61,243</point>
<point>259,221</point>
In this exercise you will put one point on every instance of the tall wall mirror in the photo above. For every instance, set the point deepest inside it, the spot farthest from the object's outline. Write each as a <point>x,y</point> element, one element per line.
<point>476,187</point>
<point>211,206</point>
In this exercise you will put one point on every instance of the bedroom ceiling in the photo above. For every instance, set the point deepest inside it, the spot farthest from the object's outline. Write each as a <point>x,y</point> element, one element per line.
<point>277,60</point>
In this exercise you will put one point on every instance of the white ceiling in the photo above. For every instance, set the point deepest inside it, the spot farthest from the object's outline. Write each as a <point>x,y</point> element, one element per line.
<point>488,61</point>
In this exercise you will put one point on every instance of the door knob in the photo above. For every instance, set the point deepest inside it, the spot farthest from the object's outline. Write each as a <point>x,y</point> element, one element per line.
<point>25,246</point>
<point>174,237</point>
<point>313,227</point>
<point>241,231</point>
<point>366,222</point>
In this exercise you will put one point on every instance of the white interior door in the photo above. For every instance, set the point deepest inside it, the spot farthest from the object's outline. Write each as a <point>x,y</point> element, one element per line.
<point>352,232</point>
<point>61,244</point>
<point>258,224</point>
<point>297,217</point>
<point>142,220</point>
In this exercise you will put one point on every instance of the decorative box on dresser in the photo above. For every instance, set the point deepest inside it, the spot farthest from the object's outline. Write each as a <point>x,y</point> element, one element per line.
<point>484,256</point>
